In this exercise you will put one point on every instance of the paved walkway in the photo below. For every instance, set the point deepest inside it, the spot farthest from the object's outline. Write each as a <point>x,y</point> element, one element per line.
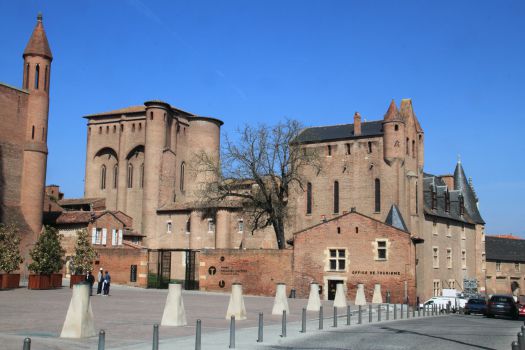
<point>128,316</point>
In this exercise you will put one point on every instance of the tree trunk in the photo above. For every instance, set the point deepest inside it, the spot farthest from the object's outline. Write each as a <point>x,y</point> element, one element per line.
<point>278,227</point>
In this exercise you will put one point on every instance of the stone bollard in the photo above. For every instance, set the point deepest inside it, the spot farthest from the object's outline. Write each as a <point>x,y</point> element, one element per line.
<point>79,319</point>
<point>174,313</point>
<point>340,296</point>
<point>360,295</point>
<point>27,344</point>
<point>377,298</point>
<point>280,303</point>
<point>236,306</point>
<point>314,301</point>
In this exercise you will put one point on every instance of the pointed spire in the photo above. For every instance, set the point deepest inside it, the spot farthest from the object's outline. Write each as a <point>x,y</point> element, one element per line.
<point>392,114</point>
<point>407,111</point>
<point>38,44</point>
<point>470,201</point>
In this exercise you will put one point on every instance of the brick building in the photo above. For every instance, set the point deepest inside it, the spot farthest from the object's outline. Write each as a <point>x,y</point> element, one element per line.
<point>23,141</point>
<point>505,265</point>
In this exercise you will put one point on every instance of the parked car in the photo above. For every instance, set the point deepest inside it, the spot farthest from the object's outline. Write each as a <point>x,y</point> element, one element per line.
<point>521,305</point>
<point>476,306</point>
<point>502,305</point>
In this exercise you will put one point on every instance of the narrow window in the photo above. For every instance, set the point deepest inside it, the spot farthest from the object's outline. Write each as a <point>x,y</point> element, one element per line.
<point>133,127</point>
<point>142,175</point>
<point>45,79</point>
<point>329,150</point>
<point>413,148</point>
<point>211,226</point>
<point>336,197</point>
<point>407,145</point>
<point>463,259</point>
<point>241,226</point>
<point>498,266</point>
<point>43,133</point>
<point>348,149</point>
<point>27,76</point>
<point>168,227</point>
<point>140,126</point>
<point>437,288</point>
<point>121,127</point>
<point>377,196</point>
<point>103,177</point>
<point>449,258</point>
<point>107,129</point>
<point>37,75</point>
<point>396,127</point>
<point>517,266</point>
<point>114,128</point>
<point>308,198</point>
<point>33,133</point>
<point>435,257</point>
<point>130,175</point>
<point>369,147</point>
<point>381,250</point>
<point>188,226</point>
<point>417,200</point>
<point>151,115</point>
<point>182,166</point>
<point>434,227</point>
<point>115,176</point>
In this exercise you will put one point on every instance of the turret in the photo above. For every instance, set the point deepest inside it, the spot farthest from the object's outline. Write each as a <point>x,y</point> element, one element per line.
<point>394,142</point>
<point>157,113</point>
<point>415,135</point>
<point>36,78</point>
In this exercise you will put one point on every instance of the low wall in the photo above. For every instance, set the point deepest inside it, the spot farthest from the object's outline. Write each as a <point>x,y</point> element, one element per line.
<point>257,269</point>
<point>118,262</point>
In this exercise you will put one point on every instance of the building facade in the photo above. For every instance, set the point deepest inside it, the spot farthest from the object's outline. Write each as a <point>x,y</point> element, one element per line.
<point>23,141</point>
<point>505,265</point>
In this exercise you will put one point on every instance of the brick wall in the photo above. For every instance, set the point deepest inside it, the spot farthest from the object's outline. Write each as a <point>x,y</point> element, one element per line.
<point>118,262</point>
<point>258,270</point>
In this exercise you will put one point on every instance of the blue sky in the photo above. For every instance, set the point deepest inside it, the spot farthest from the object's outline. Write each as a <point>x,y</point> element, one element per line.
<point>461,62</point>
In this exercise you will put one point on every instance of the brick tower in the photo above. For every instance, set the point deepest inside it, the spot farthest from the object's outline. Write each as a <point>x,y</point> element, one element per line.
<point>37,67</point>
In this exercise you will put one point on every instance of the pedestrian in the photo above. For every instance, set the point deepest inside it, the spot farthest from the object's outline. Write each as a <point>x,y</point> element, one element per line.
<point>107,283</point>
<point>91,279</point>
<point>100,281</point>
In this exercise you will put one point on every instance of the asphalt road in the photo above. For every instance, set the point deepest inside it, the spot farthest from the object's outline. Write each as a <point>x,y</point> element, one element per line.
<point>453,332</point>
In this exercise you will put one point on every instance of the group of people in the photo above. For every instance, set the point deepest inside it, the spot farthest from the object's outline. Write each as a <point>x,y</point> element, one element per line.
<point>103,280</point>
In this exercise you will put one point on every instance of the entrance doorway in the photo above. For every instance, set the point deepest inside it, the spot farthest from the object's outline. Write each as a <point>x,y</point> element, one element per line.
<point>332,287</point>
<point>161,262</point>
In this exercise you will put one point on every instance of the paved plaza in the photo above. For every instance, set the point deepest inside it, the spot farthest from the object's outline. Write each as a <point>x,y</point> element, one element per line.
<point>128,316</point>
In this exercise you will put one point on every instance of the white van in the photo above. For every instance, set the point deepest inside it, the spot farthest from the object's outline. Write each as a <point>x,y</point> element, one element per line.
<point>441,302</point>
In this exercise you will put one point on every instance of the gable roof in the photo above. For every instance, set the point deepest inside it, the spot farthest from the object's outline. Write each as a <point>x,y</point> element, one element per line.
<point>339,132</point>
<point>505,249</point>
<point>395,219</point>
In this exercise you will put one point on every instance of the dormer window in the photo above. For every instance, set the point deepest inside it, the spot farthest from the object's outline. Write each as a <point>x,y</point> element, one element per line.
<point>447,201</point>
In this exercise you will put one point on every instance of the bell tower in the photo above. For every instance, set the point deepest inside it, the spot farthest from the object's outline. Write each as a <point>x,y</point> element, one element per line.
<point>36,77</point>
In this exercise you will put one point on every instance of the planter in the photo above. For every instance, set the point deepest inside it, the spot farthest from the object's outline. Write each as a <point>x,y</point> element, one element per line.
<point>39,282</point>
<point>56,280</point>
<point>9,280</point>
<point>75,279</point>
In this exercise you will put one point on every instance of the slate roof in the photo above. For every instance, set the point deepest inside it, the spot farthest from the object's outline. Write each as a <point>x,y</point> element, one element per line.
<point>394,218</point>
<point>462,189</point>
<point>339,132</point>
<point>504,249</point>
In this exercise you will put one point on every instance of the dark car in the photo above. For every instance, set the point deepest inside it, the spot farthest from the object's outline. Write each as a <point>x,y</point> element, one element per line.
<point>502,305</point>
<point>476,306</point>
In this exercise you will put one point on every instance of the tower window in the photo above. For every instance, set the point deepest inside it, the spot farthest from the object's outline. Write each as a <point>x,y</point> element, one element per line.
<point>107,129</point>
<point>336,197</point>
<point>130,175</point>
<point>329,150</point>
<point>151,115</point>
<point>188,226</point>
<point>103,177</point>
<point>369,147</point>
<point>37,75</point>
<point>121,127</point>
<point>417,200</point>
<point>396,127</point>
<point>182,166</point>
<point>308,198</point>
<point>114,128</point>
<point>133,127</point>
<point>407,145</point>
<point>115,176</point>
<point>348,148</point>
<point>100,130</point>
<point>140,126</point>
<point>27,76</point>
<point>45,78</point>
<point>413,148</point>
<point>377,195</point>
<point>33,133</point>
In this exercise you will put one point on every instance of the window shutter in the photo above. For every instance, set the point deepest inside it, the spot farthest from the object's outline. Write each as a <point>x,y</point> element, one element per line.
<point>104,235</point>
<point>119,237</point>
<point>94,236</point>
<point>114,237</point>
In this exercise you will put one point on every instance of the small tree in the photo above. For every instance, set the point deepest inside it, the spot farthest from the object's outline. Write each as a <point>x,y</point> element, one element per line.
<point>48,254</point>
<point>10,258</point>
<point>84,253</point>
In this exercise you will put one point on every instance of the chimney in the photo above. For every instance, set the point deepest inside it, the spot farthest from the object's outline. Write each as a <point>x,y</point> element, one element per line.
<point>357,124</point>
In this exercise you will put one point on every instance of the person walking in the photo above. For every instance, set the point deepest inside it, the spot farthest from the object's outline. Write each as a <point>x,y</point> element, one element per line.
<point>100,281</point>
<point>91,279</point>
<point>107,283</point>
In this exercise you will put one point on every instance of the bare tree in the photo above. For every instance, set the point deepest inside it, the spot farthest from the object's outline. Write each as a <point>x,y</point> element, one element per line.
<point>258,170</point>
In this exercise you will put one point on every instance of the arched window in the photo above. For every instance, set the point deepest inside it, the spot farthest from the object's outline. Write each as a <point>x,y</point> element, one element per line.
<point>37,75</point>
<point>45,79</point>
<point>130,175</point>
<point>27,76</point>
<point>309,198</point>
<point>182,166</point>
<point>103,177</point>
<point>142,175</point>
<point>377,195</point>
<point>336,197</point>
<point>115,176</point>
